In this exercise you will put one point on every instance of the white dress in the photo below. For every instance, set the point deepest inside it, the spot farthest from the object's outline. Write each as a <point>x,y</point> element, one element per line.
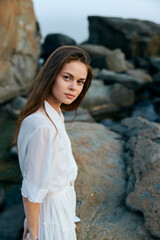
<point>49,170</point>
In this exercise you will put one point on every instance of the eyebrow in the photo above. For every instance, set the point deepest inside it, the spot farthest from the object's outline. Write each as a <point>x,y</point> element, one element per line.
<point>72,76</point>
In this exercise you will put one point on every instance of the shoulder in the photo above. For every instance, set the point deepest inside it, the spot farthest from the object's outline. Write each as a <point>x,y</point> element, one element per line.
<point>37,121</point>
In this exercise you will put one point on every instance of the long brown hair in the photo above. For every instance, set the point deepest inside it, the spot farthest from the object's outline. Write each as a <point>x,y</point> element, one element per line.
<point>46,78</point>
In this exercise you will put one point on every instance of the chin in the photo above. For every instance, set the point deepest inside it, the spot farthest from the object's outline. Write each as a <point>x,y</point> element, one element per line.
<point>68,102</point>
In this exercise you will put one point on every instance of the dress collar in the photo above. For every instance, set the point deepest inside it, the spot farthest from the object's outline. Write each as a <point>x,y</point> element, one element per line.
<point>56,117</point>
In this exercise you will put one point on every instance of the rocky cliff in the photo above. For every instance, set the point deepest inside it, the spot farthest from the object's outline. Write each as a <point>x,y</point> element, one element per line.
<point>20,47</point>
<point>135,37</point>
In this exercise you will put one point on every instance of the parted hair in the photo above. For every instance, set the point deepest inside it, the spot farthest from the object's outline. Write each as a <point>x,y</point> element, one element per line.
<point>45,80</point>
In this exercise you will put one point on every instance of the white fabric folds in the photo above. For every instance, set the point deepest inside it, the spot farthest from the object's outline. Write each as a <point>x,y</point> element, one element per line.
<point>48,167</point>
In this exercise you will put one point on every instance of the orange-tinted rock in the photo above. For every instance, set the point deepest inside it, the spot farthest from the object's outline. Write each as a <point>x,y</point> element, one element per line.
<point>101,185</point>
<point>20,47</point>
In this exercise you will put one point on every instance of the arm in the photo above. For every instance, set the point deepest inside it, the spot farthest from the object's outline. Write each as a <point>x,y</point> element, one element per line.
<point>32,215</point>
<point>37,168</point>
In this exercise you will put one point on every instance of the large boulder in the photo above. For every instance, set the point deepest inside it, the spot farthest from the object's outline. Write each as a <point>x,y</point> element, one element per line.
<point>113,60</point>
<point>134,37</point>
<point>53,41</point>
<point>20,47</point>
<point>11,222</point>
<point>101,185</point>
<point>142,159</point>
<point>109,98</point>
<point>83,115</point>
<point>133,79</point>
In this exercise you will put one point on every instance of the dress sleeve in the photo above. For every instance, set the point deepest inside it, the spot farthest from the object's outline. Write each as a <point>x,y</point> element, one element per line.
<point>38,165</point>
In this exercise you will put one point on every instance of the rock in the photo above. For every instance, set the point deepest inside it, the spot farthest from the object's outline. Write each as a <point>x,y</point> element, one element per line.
<point>129,81</point>
<point>15,106</point>
<point>9,167</point>
<point>95,72</point>
<point>155,85</point>
<point>107,98</point>
<point>134,37</point>
<point>155,64</point>
<point>9,171</point>
<point>53,41</point>
<point>140,74</point>
<point>116,61</point>
<point>98,62</point>
<point>107,94</point>
<point>121,95</point>
<point>157,105</point>
<point>101,185</point>
<point>11,223</point>
<point>130,65</point>
<point>146,110</point>
<point>94,97</point>
<point>141,63</point>
<point>83,115</point>
<point>20,48</point>
<point>107,122</point>
<point>14,151</point>
<point>156,77</point>
<point>103,57</point>
<point>96,50</point>
<point>101,111</point>
<point>143,166</point>
<point>2,198</point>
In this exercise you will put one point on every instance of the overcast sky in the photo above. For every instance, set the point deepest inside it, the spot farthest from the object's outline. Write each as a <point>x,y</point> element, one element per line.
<point>70,16</point>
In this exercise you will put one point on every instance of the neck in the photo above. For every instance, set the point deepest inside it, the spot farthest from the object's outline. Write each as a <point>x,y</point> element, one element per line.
<point>54,104</point>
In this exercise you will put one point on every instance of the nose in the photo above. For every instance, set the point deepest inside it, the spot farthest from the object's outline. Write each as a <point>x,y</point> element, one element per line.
<point>72,85</point>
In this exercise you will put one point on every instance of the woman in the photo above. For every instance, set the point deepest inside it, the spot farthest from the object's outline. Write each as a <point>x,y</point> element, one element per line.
<point>44,148</point>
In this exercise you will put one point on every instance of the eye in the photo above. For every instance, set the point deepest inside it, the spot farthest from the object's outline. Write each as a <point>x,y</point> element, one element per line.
<point>81,82</point>
<point>66,77</point>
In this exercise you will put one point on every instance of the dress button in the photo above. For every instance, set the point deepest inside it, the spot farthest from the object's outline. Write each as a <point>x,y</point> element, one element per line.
<point>70,184</point>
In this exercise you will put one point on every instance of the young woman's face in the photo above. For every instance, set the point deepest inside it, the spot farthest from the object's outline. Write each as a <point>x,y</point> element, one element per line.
<point>69,82</point>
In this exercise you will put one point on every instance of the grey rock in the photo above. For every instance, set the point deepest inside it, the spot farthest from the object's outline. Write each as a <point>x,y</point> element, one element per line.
<point>2,197</point>
<point>83,115</point>
<point>156,77</point>
<point>155,63</point>
<point>143,163</point>
<point>146,110</point>
<point>114,95</point>
<point>140,74</point>
<point>133,80</point>
<point>11,223</point>
<point>15,106</point>
<point>101,185</point>
<point>113,60</point>
<point>14,151</point>
<point>134,37</point>
<point>53,41</point>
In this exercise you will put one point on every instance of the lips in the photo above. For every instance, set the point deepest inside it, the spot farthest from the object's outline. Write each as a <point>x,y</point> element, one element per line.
<point>69,95</point>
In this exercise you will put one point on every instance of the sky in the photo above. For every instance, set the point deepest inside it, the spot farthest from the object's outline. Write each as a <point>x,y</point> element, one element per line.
<point>69,17</point>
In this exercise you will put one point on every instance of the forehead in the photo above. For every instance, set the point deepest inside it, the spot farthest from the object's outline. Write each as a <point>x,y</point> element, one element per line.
<point>75,68</point>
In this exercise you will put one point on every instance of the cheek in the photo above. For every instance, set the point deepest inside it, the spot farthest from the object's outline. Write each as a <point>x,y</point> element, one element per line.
<point>58,87</point>
<point>80,90</point>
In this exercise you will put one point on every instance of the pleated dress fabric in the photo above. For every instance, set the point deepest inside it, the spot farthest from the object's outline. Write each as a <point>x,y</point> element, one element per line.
<point>49,171</point>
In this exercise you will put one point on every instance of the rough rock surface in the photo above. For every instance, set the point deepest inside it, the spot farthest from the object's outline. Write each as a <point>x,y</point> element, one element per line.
<point>142,157</point>
<point>83,115</point>
<point>114,60</point>
<point>115,94</point>
<point>11,223</point>
<point>141,74</point>
<point>20,47</point>
<point>53,41</point>
<point>101,186</point>
<point>134,37</point>
<point>133,79</point>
